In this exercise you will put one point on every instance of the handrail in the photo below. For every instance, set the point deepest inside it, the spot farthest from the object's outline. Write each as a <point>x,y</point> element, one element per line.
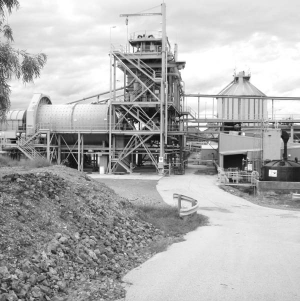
<point>237,177</point>
<point>185,211</point>
<point>135,64</point>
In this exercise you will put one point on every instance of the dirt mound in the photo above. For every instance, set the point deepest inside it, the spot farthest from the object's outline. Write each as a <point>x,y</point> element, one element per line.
<point>64,236</point>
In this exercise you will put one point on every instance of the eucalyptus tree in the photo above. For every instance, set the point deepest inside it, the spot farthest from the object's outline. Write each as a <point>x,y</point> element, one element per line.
<point>14,63</point>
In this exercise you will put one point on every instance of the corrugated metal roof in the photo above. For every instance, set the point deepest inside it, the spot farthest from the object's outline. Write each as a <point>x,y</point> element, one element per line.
<point>241,86</point>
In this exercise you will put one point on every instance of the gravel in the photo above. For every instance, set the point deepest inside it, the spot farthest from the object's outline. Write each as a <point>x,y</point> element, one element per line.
<point>66,237</point>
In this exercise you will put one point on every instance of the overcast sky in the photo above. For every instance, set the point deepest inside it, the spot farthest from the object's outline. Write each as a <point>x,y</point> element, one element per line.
<point>214,37</point>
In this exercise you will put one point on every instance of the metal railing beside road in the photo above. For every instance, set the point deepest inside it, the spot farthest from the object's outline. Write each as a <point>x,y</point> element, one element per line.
<point>185,211</point>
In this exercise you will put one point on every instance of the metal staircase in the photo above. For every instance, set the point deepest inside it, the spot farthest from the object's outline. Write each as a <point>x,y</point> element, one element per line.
<point>28,149</point>
<point>149,153</point>
<point>139,114</point>
<point>124,163</point>
<point>134,143</point>
<point>137,78</point>
<point>139,64</point>
<point>139,92</point>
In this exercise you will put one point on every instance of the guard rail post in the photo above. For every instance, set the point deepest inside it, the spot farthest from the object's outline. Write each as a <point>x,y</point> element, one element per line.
<point>179,203</point>
<point>185,212</point>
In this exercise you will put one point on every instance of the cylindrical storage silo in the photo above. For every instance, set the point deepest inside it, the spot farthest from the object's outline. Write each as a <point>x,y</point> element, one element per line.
<point>247,107</point>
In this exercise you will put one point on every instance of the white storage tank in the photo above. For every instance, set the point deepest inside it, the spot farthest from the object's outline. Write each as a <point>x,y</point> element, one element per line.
<point>235,108</point>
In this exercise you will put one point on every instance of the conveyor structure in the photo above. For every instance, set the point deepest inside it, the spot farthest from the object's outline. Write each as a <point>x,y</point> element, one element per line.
<point>141,126</point>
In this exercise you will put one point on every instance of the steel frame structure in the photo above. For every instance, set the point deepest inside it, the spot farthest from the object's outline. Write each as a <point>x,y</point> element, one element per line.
<point>144,118</point>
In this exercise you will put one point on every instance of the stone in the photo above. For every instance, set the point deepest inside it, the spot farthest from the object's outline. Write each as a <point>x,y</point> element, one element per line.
<point>52,246</point>
<point>46,290</point>
<point>4,273</point>
<point>92,254</point>
<point>32,279</point>
<point>62,285</point>
<point>41,278</point>
<point>36,292</point>
<point>4,297</point>
<point>52,271</point>
<point>58,235</point>
<point>63,239</point>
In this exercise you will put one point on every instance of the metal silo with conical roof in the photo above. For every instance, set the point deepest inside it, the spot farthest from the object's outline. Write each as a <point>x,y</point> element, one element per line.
<point>240,100</point>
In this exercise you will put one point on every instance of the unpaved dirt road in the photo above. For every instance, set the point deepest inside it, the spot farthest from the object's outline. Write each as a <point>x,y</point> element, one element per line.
<point>247,252</point>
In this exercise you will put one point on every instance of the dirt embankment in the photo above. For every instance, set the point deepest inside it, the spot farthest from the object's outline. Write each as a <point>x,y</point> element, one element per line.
<point>64,236</point>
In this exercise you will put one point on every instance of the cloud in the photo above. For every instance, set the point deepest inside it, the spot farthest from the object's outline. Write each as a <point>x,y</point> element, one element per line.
<point>214,38</point>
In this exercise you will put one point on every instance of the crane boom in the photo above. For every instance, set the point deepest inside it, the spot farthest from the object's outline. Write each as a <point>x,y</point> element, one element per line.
<point>144,14</point>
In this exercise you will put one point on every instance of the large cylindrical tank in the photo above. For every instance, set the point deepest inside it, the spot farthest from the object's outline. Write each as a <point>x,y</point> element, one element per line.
<point>78,117</point>
<point>281,170</point>
<point>15,121</point>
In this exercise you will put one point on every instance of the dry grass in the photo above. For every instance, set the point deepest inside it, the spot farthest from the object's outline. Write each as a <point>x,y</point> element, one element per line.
<point>167,219</point>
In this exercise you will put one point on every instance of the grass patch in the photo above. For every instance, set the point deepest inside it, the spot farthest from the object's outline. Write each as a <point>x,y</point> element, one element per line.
<point>167,219</point>
<point>7,161</point>
<point>37,163</point>
<point>26,163</point>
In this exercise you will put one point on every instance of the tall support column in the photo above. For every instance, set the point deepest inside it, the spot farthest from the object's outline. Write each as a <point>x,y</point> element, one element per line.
<point>162,89</point>
<point>79,153</point>
<point>125,84</point>
<point>198,111</point>
<point>109,139</point>
<point>59,149</point>
<point>82,158</point>
<point>114,145</point>
<point>166,99</point>
<point>115,79</point>
<point>110,117</point>
<point>221,161</point>
<point>48,146</point>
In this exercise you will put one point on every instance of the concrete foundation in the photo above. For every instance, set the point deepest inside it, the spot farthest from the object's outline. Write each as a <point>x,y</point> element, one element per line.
<point>278,187</point>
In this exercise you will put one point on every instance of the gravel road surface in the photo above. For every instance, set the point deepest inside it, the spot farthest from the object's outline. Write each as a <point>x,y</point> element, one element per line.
<point>247,252</point>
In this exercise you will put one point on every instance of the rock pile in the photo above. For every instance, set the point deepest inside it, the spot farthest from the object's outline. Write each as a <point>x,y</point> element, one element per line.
<point>66,239</point>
